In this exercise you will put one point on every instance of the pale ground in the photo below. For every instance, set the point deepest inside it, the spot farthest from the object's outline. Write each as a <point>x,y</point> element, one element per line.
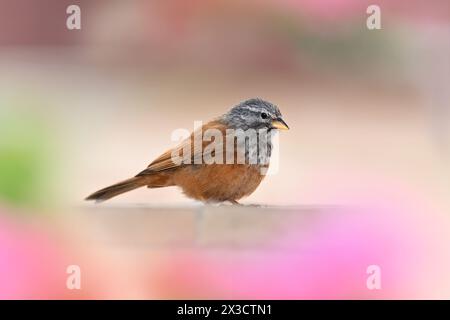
<point>208,227</point>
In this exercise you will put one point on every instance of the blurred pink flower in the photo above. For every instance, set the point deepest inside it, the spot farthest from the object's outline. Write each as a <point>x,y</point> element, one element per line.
<point>329,261</point>
<point>32,264</point>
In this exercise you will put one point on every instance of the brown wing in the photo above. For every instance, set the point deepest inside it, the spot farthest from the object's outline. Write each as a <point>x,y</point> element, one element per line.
<point>164,162</point>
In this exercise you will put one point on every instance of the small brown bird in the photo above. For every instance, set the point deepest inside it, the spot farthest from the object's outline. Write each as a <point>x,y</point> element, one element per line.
<point>214,181</point>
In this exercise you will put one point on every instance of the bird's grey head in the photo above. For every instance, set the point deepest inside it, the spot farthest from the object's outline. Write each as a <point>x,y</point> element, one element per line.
<point>255,114</point>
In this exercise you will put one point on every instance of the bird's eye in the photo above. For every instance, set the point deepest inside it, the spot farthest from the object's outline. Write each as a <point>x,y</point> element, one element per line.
<point>264,115</point>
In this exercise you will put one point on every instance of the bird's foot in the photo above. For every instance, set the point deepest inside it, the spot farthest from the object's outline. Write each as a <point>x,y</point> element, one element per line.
<point>235,203</point>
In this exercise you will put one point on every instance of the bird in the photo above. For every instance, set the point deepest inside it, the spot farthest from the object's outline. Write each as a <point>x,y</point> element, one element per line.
<point>216,181</point>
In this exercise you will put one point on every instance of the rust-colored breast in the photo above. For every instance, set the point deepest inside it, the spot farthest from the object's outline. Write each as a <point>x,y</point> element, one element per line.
<point>218,182</point>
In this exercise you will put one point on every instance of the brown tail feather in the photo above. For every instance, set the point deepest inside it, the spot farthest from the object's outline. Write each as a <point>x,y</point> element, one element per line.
<point>118,188</point>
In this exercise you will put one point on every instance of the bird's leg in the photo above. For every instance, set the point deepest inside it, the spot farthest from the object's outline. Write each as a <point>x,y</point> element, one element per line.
<point>234,202</point>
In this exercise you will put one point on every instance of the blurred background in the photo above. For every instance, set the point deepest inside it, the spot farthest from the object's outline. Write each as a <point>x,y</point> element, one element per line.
<point>370,134</point>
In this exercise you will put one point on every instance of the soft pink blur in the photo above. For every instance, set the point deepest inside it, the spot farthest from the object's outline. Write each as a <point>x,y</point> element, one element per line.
<point>407,243</point>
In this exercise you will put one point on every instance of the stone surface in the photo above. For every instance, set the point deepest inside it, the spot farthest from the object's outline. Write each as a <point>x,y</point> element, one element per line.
<point>228,227</point>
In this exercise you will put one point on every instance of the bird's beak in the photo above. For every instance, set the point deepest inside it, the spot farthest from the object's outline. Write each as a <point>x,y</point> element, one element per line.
<point>279,124</point>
